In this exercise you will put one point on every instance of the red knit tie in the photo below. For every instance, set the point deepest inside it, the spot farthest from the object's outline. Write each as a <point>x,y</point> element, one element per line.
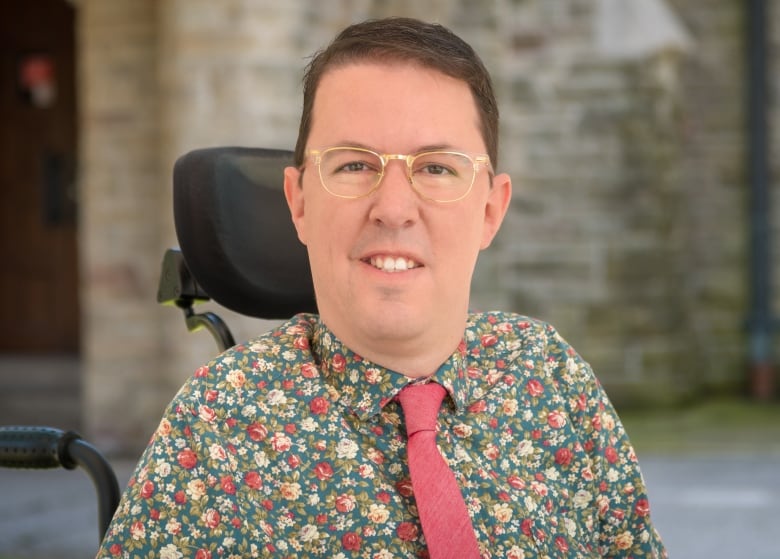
<point>443,515</point>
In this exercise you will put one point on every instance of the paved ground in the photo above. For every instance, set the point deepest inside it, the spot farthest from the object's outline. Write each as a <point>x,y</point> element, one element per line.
<point>50,513</point>
<point>717,506</point>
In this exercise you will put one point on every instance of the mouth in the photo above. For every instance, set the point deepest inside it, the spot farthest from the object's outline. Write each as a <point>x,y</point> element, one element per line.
<point>392,264</point>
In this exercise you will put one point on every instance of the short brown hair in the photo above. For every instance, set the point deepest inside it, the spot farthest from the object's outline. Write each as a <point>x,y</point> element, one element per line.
<point>406,40</point>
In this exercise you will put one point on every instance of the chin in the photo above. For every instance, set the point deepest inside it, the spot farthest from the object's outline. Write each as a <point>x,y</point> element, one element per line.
<point>392,321</point>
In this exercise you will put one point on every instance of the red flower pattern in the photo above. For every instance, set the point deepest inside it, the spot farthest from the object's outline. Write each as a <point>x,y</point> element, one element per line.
<point>290,445</point>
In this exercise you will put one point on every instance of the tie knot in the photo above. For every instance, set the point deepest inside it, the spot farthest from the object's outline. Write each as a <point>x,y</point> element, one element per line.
<point>421,403</point>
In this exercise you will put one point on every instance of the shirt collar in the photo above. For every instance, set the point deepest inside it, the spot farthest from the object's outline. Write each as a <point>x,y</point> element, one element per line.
<point>365,387</point>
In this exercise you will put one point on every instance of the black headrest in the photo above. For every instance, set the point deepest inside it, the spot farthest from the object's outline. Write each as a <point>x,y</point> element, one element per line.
<point>235,232</point>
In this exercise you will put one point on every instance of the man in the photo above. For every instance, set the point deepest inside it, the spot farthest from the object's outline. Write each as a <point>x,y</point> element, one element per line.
<point>295,443</point>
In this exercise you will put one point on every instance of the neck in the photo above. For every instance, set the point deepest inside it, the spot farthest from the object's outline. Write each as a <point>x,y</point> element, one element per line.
<point>412,366</point>
<point>415,357</point>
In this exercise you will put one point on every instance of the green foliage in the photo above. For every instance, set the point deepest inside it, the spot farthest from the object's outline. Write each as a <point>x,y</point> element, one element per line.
<point>718,426</point>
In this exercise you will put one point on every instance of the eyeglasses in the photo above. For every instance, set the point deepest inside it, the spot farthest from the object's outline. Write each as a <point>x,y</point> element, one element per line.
<point>441,176</point>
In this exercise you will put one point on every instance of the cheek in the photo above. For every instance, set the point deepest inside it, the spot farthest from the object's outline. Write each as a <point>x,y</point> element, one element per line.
<point>457,245</point>
<point>320,241</point>
<point>466,230</point>
<point>328,236</point>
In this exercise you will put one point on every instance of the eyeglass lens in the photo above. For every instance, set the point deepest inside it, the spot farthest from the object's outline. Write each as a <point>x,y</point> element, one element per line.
<point>439,176</point>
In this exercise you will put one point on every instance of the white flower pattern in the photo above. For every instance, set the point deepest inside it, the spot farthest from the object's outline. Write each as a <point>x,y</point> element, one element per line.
<point>291,445</point>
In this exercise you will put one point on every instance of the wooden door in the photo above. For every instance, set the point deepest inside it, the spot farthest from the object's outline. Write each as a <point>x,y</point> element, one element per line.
<point>39,310</point>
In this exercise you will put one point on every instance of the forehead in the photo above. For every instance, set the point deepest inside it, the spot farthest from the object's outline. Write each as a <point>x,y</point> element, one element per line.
<point>385,104</point>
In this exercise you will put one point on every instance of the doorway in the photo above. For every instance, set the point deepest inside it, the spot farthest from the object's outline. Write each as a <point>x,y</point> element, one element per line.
<point>39,303</point>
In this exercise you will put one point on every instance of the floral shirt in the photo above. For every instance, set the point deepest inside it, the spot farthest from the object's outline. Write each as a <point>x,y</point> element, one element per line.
<point>291,445</point>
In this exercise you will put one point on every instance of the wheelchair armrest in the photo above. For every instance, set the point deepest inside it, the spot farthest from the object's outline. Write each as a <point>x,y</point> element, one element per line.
<point>23,447</point>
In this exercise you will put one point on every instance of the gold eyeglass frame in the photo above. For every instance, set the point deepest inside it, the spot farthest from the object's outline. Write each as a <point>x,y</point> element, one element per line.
<point>385,158</point>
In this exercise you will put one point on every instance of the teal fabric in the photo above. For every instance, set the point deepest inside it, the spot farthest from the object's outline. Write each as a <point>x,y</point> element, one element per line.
<point>291,445</point>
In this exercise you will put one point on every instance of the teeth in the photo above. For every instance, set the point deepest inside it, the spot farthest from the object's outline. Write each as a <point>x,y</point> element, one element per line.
<point>390,264</point>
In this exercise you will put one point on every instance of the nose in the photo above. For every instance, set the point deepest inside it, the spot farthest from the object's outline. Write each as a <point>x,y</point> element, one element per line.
<point>395,204</point>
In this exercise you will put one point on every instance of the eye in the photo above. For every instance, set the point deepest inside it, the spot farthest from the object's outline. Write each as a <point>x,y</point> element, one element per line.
<point>344,161</point>
<point>435,169</point>
<point>354,167</point>
<point>436,165</point>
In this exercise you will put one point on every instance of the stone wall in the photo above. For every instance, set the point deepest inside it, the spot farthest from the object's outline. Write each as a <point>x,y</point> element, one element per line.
<point>591,244</point>
<point>120,180</point>
<point>628,227</point>
<point>715,191</point>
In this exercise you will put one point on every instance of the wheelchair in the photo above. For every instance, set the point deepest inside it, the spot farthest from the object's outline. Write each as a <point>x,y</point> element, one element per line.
<point>237,247</point>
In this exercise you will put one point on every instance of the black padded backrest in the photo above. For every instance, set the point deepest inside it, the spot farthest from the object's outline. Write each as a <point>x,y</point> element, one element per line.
<point>235,232</point>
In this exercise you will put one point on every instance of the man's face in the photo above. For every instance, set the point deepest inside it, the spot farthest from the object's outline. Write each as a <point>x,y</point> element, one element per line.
<point>394,108</point>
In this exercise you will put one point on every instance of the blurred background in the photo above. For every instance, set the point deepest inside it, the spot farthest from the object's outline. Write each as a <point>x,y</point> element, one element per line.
<point>645,225</point>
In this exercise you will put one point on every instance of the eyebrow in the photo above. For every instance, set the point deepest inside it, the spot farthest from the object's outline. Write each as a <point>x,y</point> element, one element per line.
<point>420,149</point>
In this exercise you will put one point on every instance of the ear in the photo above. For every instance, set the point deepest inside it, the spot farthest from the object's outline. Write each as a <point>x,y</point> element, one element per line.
<point>293,193</point>
<point>495,209</point>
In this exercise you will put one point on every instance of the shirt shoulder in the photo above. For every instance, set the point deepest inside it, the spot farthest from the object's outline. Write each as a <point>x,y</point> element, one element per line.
<point>514,333</point>
<point>525,347</point>
<point>257,364</point>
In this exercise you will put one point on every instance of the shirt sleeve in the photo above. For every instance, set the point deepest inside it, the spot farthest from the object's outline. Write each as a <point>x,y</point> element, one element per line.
<point>180,501</point>
<point>624,529</point>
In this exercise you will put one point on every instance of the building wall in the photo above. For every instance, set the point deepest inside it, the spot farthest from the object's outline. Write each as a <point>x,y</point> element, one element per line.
<point>628,225</point>
<point>594,237</point>
<point>713,134</point>
<point>120,182</point>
